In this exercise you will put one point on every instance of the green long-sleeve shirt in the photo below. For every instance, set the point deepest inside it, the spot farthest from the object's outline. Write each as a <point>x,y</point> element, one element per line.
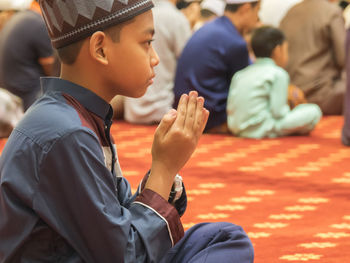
<point>257,99</point>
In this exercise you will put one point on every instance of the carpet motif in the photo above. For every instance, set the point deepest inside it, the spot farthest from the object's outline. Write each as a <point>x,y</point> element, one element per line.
<point>291,195</point>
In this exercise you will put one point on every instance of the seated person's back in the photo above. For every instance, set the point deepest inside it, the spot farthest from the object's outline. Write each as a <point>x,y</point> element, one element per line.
<point>257,104</point>
<point>213,55</point>
<point>316,36</point>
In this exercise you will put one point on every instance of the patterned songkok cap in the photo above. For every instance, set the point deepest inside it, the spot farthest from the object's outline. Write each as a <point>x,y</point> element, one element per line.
<point>69,21</point>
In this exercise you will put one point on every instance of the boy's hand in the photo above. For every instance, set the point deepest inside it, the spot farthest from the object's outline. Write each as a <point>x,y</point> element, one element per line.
<point>175,140</point>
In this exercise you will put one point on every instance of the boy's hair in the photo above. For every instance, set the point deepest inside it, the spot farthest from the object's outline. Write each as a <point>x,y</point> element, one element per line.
<point>234,7</point>
<point>68,54</point>
<point>207,13</point>
<point>265,39</point>
<point>185,3</point>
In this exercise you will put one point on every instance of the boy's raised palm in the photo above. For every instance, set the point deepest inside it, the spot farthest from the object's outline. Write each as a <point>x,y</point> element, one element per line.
<point>175,140</point>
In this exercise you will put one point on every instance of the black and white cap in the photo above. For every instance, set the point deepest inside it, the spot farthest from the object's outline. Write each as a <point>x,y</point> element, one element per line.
<point>69,21</point>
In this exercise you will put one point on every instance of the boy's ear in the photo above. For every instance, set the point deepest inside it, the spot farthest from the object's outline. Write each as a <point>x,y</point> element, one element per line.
<point>98,47</point>
<point>276,52</point>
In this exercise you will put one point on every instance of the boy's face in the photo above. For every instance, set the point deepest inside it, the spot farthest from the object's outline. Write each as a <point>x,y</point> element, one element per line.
<point>251,17</point>
<point>131,60</point>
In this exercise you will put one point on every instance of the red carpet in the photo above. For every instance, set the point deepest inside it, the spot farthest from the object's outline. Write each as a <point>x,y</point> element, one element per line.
<point>291,195</point>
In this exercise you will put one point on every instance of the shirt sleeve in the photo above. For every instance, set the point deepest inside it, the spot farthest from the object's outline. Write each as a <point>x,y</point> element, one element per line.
<point>180,204</point>
<point>279,94</point>
<point>78,197</point>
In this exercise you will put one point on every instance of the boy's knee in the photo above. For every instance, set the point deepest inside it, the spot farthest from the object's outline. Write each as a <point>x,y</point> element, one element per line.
<point>315,112</point>
<point>311,113</point>
<point>212,243</point>
<point>231,241</point>
<point>229,231</point>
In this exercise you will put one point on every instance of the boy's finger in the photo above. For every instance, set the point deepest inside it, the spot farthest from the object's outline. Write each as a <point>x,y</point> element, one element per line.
<point>191,111</point>
<point>166,122</point>
<point>181,111</point>
<point>199,116</point>
<point>205,119</point>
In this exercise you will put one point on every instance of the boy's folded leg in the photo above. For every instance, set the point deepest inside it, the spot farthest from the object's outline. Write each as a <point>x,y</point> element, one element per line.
<point>212,242</point>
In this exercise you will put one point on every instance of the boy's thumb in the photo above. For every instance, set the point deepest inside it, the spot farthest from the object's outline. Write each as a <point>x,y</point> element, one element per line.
<point>166,122</point>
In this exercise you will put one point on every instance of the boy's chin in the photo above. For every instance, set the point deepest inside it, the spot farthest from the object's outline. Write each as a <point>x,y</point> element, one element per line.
<point>138,95</point>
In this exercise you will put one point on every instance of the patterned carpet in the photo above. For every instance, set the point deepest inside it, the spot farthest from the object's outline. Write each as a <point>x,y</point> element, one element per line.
<point>291,195</point>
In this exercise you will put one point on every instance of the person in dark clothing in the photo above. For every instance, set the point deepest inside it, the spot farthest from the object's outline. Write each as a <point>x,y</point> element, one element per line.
<point>26,54</point>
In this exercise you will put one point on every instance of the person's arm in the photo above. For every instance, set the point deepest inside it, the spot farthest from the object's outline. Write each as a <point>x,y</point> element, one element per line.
<point>279,94</point>
<point>337,36</point>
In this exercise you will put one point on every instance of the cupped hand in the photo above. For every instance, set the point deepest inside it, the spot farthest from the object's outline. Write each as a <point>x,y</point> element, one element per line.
<point>175,140</point>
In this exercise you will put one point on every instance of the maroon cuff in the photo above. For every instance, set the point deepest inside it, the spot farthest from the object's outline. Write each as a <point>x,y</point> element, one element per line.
<point>144,181</point>
<point>165,210</point>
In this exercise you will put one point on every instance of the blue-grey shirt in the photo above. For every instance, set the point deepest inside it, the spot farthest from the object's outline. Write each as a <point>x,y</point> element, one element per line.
<point>62,194</point>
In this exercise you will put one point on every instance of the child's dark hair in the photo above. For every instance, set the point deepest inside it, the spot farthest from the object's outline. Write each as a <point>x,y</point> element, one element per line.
<point>69,54</point>
<point>265,39</point>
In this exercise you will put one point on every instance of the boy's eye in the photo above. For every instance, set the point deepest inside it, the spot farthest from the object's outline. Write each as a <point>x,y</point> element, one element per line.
<point>149,42</point>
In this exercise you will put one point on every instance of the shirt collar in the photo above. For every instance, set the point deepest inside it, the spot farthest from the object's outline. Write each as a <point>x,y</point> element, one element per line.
<point>265,61</point>
<point>87,98</point>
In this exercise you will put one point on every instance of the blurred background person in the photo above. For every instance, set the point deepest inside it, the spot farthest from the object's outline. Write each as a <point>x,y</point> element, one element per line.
<point>210,9</point>
<point>26,53</point>
<point>345,137</point>
<point>191,9</point>
<point>213,55</point>
<point>257,105</point>
<point>273,11</point>
<point>315,32</point>
<point>11,112</point>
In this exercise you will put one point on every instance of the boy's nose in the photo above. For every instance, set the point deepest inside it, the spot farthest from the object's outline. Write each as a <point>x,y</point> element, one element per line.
<point>154,58</point>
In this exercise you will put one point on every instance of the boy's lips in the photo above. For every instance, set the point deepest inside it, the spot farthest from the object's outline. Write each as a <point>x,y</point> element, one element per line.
<point>151,79</point>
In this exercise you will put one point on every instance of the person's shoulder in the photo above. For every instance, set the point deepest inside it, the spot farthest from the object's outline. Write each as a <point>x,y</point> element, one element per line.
<point>219,24</point>
<point>246,72</point>
<point>49,119</point>
<point>221,31</point>
<point>28,21</point>
<point>269,66</point>
<point>28,15</point>
<point>279,72</point>
<point>319,6</point>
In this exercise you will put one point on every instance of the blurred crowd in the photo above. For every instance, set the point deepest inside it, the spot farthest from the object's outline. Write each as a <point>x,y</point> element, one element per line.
<point>266,68</point>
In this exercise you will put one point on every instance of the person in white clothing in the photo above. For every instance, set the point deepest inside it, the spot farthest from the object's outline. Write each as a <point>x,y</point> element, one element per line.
<point>272,11</point>
<point>210,9</point>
